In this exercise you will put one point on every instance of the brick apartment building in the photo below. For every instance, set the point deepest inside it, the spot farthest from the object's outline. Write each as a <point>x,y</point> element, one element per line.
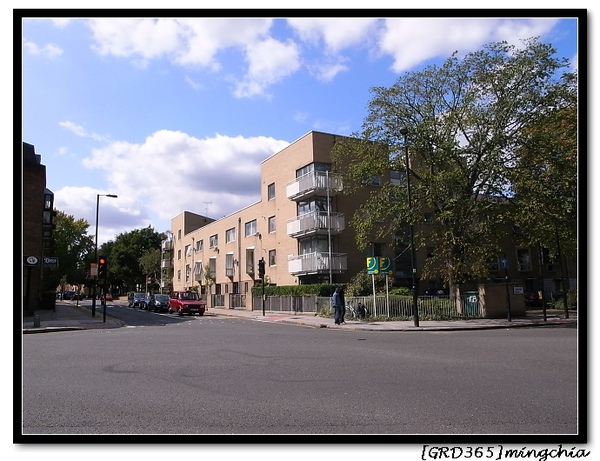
<point>37,208</point>
<point>299,226</point>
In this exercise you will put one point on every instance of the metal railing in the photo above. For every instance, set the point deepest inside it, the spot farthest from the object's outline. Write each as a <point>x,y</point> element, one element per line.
<point>382,307</point>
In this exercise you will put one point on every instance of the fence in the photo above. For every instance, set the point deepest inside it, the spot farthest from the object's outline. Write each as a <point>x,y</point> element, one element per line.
<point>397,307</point>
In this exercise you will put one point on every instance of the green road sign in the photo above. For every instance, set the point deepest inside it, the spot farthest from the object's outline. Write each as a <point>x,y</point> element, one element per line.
<point>372,265</point>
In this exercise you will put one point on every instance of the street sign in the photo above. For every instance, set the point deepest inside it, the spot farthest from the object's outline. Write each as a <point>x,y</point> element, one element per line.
<point>94,269</point>
<point>385,266</point>
<point>380,266</point>
<point>31,260</point>
<point>50,261</point>
<point>372,265</point>
<point>504,263</point>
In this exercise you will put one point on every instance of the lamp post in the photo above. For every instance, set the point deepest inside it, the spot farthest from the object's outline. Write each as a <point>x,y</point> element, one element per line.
<point>96,248</point>
<point>404,132</point>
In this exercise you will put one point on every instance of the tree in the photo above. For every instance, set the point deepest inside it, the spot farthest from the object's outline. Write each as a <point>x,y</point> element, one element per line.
<point>544,178</point>
<point>74,250</point>
<point>465,122</point>
<point>124,256</point>
<point>150,264</point>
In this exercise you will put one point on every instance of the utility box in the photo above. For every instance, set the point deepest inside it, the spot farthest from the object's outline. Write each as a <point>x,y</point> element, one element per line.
<point>495,298</point>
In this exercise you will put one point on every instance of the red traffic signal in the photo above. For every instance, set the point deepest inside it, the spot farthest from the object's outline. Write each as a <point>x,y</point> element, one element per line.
<point>102,267</point>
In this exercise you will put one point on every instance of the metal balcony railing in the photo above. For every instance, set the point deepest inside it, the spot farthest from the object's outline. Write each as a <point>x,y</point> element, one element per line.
<point>317,182</point>
<point>317,263</point>
<point>316,223</point>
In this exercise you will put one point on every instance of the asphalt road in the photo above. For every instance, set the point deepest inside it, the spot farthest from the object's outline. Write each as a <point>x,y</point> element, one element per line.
<point>177,377</point>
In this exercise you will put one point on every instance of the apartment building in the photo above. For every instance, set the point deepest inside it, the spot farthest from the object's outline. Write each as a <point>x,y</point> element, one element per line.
<point>37,207</point>
<point>300,228</point>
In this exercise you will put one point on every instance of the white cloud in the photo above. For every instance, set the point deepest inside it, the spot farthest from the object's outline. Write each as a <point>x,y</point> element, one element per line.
<point>336,33</point>
<point>269,62</point>
<point>415,40</point>
<point>80,131</point>
<point>50,50</point>
<point>172,171</point>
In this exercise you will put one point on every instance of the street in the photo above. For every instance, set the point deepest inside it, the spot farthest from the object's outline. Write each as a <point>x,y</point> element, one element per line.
<point>215,375</point>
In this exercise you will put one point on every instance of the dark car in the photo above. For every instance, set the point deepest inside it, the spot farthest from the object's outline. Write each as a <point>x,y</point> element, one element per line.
<point>72,295</point>
<point>532,299</point>
<point>136,299</point>
<point>158,303</point>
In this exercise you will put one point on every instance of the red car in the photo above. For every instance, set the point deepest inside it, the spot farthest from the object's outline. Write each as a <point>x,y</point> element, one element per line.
<point>186,302</point>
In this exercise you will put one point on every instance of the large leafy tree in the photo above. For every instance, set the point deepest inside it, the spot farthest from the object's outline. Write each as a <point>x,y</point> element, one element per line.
<point>544,178</point>
<point>464,125</point>
<point>125,268</point>
<point>74,250</point>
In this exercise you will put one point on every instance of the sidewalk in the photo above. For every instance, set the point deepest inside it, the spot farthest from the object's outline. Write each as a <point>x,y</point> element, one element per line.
<point>69,316</point>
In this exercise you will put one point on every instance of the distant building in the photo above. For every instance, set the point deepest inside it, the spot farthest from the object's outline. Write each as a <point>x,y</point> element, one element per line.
<point>37,207</point>
<point>299,226</point>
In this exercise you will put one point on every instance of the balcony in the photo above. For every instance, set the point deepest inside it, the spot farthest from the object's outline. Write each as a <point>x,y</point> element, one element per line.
<point>167,245</point>
<point>315,183</point>
<point>317,263</point>
<point>165,264</point>
<point>315,223</point>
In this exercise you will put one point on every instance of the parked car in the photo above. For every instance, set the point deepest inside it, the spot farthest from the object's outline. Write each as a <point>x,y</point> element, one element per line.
<point>108,297</point>
<point>532,299</point>
<point>72,295</point>
<point>158,302</point>
<point>135,299</point>
<point>186,302</point>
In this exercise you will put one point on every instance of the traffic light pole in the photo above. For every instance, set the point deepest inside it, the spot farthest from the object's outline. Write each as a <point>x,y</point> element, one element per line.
<point>261,274</point>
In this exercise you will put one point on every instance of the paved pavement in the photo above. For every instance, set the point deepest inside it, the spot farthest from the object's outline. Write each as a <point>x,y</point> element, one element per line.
<point>69,315</point>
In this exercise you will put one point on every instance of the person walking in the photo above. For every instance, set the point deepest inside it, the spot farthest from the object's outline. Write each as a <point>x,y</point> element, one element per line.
<point>337,306</point>
<point>343,301</point>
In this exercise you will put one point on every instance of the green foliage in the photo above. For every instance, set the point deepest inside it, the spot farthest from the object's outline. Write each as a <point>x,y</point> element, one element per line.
<point>294,290</point>
<point>125,257</point>
<point>362,284</point>
<point>74,250</point>
<point>467,124</point>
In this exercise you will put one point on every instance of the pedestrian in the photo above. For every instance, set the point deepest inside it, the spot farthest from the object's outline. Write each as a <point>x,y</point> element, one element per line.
<point>337,306</point>
<point>343,301</point>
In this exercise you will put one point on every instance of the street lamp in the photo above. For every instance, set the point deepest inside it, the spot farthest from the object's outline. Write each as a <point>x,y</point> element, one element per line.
<point>96,249</point>
<point>404,132</point>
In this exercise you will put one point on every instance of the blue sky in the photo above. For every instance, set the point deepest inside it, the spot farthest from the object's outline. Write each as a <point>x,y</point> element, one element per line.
<point>176,114</point>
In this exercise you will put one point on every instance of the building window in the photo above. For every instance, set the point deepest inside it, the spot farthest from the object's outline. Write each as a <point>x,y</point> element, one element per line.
<point>212,266</point>
<point>271,191</point>
<point>377,249</point>
<point>213,241</point>
<point>230,235</point>
<point>250,228</point>
<point>179,234</point>
<point>199,245</point>
<point>397,178</point>
<point>272,226</point>
<point>198,271</point>
<point>311,168</point>
<point>229,265</point>
<point>523,260</point>
<point>188,250</point>
<point>375,181</point>
<point>179,275</point>
<point>179,254</point>
<point>249,260</point>
<point>272,257</point>
<point>494,264</point>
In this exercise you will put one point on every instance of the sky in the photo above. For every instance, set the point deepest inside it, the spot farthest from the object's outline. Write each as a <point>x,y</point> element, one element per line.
<point>176,114</point>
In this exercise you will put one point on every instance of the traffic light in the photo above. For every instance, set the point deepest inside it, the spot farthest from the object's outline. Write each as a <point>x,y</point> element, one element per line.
<point>261,268</point>
<point>102,267</point>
